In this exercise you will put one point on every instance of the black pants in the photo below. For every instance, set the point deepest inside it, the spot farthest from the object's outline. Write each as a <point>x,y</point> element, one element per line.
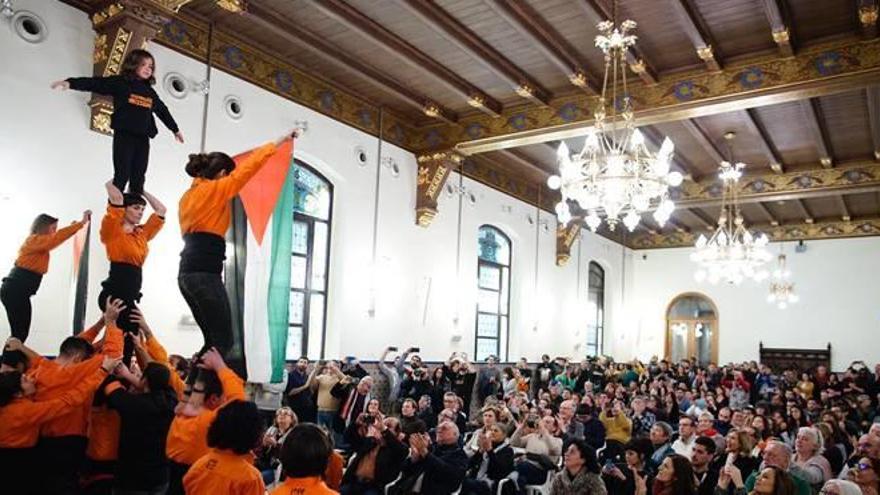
<point>176,472</point>
<point>207,299</point>
<point>131,153</point>
<point>18,471</point>
<point>62,459</point>
<point>123,283</point>
<point>15,293</point>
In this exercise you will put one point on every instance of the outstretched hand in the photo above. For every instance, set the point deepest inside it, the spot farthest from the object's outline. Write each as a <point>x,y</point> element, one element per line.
<point>112,310</point>
<point>212,360</point>
<point>179,137</point>
<point>60,85</point>
<point>87,215</point>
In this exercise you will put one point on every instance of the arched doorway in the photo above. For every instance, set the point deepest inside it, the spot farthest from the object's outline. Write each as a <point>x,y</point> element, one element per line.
<point>692,329</point>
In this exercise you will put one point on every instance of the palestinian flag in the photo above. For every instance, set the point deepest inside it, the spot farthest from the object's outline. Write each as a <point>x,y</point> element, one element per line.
<point>268,204</point>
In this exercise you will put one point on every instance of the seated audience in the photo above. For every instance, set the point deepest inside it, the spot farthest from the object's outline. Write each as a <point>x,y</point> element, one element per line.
<point>490,464</point>
<point>437,469</point>
<point>580,473</point>
<point>269,453</point>
<point>378,458</point>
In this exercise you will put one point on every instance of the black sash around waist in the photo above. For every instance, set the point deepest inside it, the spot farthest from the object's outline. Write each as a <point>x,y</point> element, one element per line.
<point>25,279</point>
<point>202,252</point>
<point>124,281</point>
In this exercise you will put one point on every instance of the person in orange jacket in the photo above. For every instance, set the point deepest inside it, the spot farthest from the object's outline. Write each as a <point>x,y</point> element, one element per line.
<point>216,386</point>
<point>21,417</point>
<point>126,242</point>
<point>229,466</point>
<point>205,214</point>
<point>304,459</point>
<point>31,264</point>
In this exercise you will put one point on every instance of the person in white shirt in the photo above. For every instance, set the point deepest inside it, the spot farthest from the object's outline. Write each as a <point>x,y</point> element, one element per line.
<point>686,437</point>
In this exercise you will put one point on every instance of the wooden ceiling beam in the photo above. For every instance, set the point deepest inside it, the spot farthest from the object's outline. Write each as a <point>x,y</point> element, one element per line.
<point>398,47</point>
<point>779,28</point>
<point>695,29</point>
<point>818,132</point>
<point>469,42</point>
<point>767,213</point>
<point>702,218</point>
<point>756,127</point>
<point>703,140</point>
<point>803,210</point>
<point>597,12</point>
<point>844,209</point>
<point>532,26</point>
<point>868,18</point>
<point>874,118</point>
<point>517,158</point>
<point>678,226</point>
<point>275,23</point>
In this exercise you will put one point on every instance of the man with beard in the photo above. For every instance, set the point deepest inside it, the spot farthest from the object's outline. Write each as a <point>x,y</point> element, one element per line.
<point>298,394</point>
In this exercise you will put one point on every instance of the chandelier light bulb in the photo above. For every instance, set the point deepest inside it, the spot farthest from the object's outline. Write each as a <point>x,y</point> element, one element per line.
<point>636,140</point>
<point>593,221</point>
<point>554,182</point>
<point>674,178</point>
<point>631,220</point>
<point>562,152</point>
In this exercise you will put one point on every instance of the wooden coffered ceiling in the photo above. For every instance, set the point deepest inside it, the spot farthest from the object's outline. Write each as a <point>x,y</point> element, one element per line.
<point>504,81</point>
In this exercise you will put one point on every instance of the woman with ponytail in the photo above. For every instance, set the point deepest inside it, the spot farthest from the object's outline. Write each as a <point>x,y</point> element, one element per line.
<point>205,214</point>
<point>30,266</point>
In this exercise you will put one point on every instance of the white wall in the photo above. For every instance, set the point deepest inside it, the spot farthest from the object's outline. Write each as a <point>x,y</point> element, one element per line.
<point>51,162</point>
<point>838,282</point>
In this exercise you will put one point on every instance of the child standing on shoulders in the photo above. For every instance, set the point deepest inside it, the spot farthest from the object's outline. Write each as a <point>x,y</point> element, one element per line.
<point>30,266</point>
<point>134,102</point>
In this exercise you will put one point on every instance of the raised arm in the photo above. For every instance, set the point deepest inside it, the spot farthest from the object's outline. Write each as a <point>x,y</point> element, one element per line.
<point>91,333</point>
<point>101,85</point>
<point>114,195</point>
<point>155,204</point>
<point>47,242</point>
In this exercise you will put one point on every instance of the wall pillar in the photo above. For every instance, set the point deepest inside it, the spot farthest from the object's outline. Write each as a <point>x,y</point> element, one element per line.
<point>434,169</point>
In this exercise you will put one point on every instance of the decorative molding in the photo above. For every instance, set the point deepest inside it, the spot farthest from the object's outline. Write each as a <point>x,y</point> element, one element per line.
<point>861,176</point>
<point>235,6</point>
<point>434,169</point>
<point>257,66</point>
<point>832,229</point>
<point>822,69</point>
<point>565,237</point>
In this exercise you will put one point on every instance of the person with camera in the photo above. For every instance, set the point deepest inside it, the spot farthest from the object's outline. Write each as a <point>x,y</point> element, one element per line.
<point>416,384</point>
<point>355,398</point>
<point>542,449</point>
<point>379,453</point>
<point>620,479</point>
<point>488,380</point>
<point>298,394</point>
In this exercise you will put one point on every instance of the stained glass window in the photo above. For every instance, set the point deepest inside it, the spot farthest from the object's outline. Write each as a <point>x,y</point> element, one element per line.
<point>312,208</point>
<point>493,283</point>
<point>595,309</point>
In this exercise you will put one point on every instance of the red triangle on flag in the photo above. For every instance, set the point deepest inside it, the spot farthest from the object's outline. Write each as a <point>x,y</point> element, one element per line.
<point>261,193</point>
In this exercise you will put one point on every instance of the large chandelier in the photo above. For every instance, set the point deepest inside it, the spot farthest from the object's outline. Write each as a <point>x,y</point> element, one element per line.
<point>732,253</point>
<point>781,287</point>
<point>614,172</point>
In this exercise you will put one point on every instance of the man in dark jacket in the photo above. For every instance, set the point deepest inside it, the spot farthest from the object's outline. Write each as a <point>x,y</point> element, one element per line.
<point>378,459</point>
<point>434,471</point>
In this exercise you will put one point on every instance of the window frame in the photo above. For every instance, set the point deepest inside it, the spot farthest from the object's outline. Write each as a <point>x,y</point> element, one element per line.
<point>596,320</point>
<point>308,291</point>
<point>503,331</point>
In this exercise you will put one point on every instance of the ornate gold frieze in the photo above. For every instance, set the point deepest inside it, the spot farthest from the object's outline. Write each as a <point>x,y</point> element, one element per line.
<point>236,6</point>
<point>781,36</point>
<point>669,99</point>
<point>565,237</point>
<point>99,55</point>
<point>794,232</point>
<point>100,111</point>
<point>117,52</point>
<point>106,13</point>
<point>705,53</point>
<point>868,15</point>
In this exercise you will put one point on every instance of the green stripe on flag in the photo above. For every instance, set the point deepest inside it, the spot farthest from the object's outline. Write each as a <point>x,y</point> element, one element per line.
<point>278,300</point>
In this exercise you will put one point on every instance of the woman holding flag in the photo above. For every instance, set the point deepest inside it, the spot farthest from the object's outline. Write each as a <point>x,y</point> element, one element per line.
<point>205,214</point>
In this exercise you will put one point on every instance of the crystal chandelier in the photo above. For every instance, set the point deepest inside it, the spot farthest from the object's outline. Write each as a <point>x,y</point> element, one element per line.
<point>781,288</point>
<point>732,253</point>
<point>614,172</point>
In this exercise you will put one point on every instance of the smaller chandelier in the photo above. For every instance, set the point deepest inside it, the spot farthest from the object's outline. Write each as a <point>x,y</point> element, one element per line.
<point>781,288</point>
<point>732,253</point>
<point>614,172</point>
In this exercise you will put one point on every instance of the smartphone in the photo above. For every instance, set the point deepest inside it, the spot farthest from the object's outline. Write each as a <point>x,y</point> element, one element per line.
<point>393,349</point>
<point>416,349</point>
<point>609,466</point>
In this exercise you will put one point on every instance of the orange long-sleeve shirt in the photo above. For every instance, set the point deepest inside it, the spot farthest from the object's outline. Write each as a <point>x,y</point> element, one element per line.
<point>206,207</point>
<point>188,436</point>
<point>127,247</point>
<point>103,434</point>
<point>34,253</point>
<point>53,380</point>
<point>22,418</point>
<point>223,471</point>
<point>301,486</point>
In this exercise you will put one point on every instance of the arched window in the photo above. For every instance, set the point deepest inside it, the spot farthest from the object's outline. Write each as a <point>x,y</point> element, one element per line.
<point>595,309</point>
<point>312,208</point>
<point>493,298</point>
<point>692,329</point>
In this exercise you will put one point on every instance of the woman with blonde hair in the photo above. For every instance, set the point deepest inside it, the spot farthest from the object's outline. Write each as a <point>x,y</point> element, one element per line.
<point>269,453</point>
<point>739,446</point>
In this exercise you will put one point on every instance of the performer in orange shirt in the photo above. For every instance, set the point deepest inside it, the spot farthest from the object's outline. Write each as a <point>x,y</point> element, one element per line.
<point>205,213</point>
<point>304,459</point>
<point>125,240</point>
<point>229,466</point>
<point>30,266</point>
